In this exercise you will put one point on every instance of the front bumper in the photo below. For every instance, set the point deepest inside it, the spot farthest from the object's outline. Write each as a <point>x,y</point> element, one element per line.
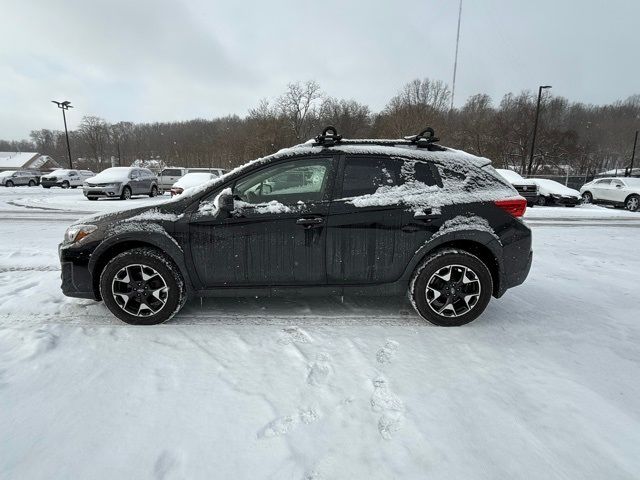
<point>567,200</point>
<point>101,191</point>
<point>75,275</point>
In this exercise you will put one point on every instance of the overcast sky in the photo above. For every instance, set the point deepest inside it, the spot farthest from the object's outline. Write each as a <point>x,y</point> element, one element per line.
<point>155,60</point>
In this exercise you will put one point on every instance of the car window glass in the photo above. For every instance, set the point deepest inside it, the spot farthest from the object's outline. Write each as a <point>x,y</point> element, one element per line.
<point>135,174</point>
<point>616,183</point>
<point>602,183</point>
<point>173,172</point>
<point>287,183</point>
<point>364,176</point>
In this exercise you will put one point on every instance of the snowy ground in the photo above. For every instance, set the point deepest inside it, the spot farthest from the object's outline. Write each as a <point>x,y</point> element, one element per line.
<point>544,385</point>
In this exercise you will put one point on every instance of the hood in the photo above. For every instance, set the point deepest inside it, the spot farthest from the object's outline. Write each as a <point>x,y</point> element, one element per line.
<point>163,212</point>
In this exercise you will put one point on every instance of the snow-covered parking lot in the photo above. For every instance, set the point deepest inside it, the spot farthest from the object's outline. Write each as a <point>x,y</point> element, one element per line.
<point>544,385</point>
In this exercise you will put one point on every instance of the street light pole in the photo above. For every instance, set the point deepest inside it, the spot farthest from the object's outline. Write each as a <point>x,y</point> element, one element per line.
<point>66,105</point>
<point>535,127</point>
<point>633,155</point>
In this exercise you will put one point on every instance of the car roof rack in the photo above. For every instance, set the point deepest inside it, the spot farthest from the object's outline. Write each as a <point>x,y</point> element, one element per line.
<point>425,139</point>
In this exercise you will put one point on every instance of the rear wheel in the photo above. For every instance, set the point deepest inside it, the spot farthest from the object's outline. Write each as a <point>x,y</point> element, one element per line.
<point>9,183</point>
<point>126,193</point>
<point>542,200</point>
<point>65,184</point>
<point>632,203</point>
<point>587,197</point>
<point>142,287</point>
<point>451,288</point>
<point>154,191</point>
<point>32,183</point>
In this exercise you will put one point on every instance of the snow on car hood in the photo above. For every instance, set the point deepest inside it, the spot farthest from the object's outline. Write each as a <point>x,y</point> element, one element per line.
<point>193,180</point>
<point>514,178</point>
<point>115,174</point>
<point>551,187</point>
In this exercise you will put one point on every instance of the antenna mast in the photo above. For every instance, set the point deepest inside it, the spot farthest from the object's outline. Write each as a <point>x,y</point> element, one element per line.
<point>455,62</point>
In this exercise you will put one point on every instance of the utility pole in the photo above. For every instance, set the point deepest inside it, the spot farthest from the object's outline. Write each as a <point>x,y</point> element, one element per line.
<point>633,155</point>
<point>535,128</point>
<point>66,105</point>
<point>455,62</point>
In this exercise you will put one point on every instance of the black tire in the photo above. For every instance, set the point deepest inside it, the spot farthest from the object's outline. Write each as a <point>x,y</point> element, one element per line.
<point>65,184</point>
<point>74,186</point>
<point>542,200</point>
<point>632,203</point>
<point>587,197</point>
<point>9,184</point>
<point>439,262</point>
<point>153,192</point>
<point>92,198</point>
<point>166,273</point>
<point>45,186</point>
<point>32,183</point>
<point>126,193</point>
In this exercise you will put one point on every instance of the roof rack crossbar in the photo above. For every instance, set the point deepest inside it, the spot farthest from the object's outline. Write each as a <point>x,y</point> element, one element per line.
<point>425,139</point>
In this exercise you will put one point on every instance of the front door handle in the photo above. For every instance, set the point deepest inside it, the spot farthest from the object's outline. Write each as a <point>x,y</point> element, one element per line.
<point>309,221</point>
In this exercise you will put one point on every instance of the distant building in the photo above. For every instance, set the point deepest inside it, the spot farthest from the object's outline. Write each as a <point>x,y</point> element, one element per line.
<point>27,161</point>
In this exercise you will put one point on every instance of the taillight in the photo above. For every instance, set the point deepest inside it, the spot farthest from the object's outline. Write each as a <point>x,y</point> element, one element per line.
<point>513,206</point>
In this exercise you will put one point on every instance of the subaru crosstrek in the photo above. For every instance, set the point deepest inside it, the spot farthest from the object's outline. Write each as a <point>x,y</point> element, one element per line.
<point>330,217</point>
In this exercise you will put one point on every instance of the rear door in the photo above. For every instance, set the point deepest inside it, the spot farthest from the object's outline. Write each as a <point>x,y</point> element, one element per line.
<point>600,189</point>
<point>276,235</point>
<point>371,233</point>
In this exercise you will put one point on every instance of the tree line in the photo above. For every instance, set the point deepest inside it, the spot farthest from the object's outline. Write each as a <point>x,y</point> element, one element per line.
<point>572,137</point>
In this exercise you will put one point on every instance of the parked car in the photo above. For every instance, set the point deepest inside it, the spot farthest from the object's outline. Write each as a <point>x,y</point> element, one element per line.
<point>355,217</point>
<point>191,180</point>
<point>121,182</point>
<point>620,192</point>
<point>525,187</point>
<point>171,175</point>
<point>551,192</point>
<point>65,178</point>
<point>16,178</point>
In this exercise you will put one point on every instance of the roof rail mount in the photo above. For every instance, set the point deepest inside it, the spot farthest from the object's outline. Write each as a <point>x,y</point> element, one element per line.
<point>328,137</point>
<point>422,140</point>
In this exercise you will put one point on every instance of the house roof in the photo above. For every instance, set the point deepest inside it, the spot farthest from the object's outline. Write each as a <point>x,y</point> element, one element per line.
<point>18,160</point>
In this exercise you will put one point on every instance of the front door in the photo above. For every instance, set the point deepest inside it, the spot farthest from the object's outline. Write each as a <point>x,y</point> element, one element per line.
<point>276,235</point>
<point>371,233</point>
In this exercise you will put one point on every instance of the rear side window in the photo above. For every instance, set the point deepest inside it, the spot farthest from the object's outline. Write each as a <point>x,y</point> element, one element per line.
<point>365,175</point>
<point>173,172</point>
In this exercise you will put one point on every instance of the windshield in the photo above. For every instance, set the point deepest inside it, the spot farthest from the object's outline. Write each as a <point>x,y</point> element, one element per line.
<point>111,174</point>
<point>632,182</point>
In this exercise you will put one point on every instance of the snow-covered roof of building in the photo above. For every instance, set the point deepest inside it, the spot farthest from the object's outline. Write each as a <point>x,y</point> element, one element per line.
<point>18,160</point>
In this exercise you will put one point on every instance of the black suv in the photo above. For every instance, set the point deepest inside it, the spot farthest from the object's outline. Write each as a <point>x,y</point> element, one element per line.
<point>329,217</point>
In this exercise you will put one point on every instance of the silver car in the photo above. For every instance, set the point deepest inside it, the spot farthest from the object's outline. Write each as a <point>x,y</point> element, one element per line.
<point>15,178</point>
<point>121,182</point>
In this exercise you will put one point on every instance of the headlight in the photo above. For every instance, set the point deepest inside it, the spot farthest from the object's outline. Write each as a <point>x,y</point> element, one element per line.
<point>75,233</point>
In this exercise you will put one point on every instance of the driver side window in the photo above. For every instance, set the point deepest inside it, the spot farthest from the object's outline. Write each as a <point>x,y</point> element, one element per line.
<point>287,183</point>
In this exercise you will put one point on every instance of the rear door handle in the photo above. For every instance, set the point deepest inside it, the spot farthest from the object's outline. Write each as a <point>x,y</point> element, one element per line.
<point>310,221</point>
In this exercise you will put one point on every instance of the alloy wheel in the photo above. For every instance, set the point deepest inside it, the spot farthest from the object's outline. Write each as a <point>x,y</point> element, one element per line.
<point>633,204</point>
<point>139,290</point>
<point>453,290</point>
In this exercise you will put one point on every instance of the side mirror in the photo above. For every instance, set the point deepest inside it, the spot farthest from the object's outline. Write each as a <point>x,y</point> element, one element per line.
<point>225,202</point>
<point>618,186</point>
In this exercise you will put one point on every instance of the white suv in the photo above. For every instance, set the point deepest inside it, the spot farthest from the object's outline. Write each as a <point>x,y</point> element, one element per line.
<point>65,178</point>
<point>613,191</point>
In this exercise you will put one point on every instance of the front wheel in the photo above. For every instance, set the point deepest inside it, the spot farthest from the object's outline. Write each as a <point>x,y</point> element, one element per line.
<point>451,288</point>
<point>632,203</point>
<point>9,184</point>
<point>126,193</point>
<point>65,184</point>
<point>542,201</point>
<point>142,286</point>
<point>153,192</point>
<point>587,197</point>
<point>32,183</point>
